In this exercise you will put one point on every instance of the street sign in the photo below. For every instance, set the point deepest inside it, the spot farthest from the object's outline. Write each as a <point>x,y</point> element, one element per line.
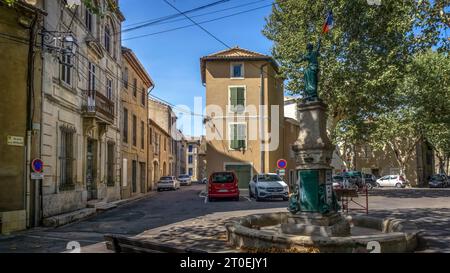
<point>37,166</point>
<point>281,172</point>
<point>282,164</point>
<point>16,141</point>
<point>37,176</point>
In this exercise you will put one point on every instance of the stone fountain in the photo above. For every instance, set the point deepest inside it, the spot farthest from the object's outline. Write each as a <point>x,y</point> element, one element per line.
<point>313,221</point>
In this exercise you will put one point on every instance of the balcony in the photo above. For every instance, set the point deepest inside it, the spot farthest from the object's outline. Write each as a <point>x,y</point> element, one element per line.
<point>98,106</point>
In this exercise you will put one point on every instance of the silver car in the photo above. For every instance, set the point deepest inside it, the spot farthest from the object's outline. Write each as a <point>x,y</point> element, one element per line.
<point>168,183</point>
<point>268,186</point>
<point>185,180</point>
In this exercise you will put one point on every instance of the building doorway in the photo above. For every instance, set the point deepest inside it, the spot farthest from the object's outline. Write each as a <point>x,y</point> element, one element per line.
<point>134,176</point>
<point>155,173</point>
<point>143,180</point>
<point>91,186</point>
<point>243,173</point>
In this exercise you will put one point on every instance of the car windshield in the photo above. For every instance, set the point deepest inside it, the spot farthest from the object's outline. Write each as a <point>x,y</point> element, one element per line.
<point>184,176</point>
<point>166,178</point>
<point>438,178</point>
<point>269,178</point>
<point>222,178</point>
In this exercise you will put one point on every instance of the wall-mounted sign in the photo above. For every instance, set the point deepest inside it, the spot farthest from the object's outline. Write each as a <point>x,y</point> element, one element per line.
<point>281,172</point>
<point>37,176</point>
<point>37,166</point>
<point>16,141</point>
<point>282,164</point>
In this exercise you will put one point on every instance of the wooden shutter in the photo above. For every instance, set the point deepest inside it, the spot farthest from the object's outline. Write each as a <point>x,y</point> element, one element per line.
<point>234,137</point>
<point>242,135</point>
<point>233,97</point>
<point>240,96</point>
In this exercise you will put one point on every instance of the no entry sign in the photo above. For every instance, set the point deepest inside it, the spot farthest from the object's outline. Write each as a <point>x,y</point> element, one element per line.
<point>282,164</point>
<point>37,166</point>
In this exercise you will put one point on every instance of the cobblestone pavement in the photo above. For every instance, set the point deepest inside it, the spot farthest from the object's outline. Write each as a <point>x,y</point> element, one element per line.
<point>185,219</point>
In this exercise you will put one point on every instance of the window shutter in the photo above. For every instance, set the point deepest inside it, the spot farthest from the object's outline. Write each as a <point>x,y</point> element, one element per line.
<point>234,137</point>
<point>242,135</point>
<point>240,96</point>
<point>233,97</point>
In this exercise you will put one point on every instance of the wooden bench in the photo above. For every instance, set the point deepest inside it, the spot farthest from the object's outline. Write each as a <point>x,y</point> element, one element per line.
<point>122,244</point>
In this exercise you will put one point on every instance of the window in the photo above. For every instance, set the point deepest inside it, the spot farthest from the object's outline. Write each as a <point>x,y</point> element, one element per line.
<point>89,20</point>
<point>125,78</point>
<point>190,148</point>
<point>125,125</point>
<point>165,144</point>
<point>108,39</point>
<point>66,159</point>
<point>142,135</point>
<point>151,136</point>
<point>109,88</point>
<point>143,96</point>
<point>237,71</point>
<point>91,77</point>
<point>134,130</point>
<point>66,69</point>
<point>110,165</point>
<point>190,159</point>
<point>135,87</point>
<point>191,172</point>
<point>134,175</point>
<point>238,136</point>
<point>237,99</point>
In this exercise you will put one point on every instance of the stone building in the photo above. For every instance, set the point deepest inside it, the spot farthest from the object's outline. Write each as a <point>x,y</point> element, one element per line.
<point>242,136</point>
<point>134,124</point>
<point>192,157</point>
<point>162,152</point>
<point>20,105</point>
<point>81,114</point>
<point>180,146</point>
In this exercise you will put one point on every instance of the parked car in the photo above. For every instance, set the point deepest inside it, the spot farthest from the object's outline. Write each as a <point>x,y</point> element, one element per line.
<point>168,183</point>
<point>204,181</point>
<point>370,181</point>
<point>223,185</point>
<point>338,182</point>
<point>438,181</point>
<point>268,186</point>
<point>185,180</point>
<point>397,181</point>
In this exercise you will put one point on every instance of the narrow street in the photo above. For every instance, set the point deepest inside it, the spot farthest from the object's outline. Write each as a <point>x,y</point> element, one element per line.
<point>184,217</point>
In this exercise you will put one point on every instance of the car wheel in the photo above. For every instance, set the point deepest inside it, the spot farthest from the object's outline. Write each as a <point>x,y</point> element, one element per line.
<point>237,199</point>
<point>258,199</point>
<point>369,186</point>
<point>378,185</point>
<point>286,199</point>
<point>399,186</point>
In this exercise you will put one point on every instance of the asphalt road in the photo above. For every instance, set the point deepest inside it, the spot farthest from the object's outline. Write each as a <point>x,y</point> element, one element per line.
<point>169,213</point>
<point>131,219</point>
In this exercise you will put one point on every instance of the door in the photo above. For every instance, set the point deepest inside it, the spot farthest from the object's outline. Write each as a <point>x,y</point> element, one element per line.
<point>143,180</point>
<point>133,176</point>
<point>243,174</point>
<point>90,170</point>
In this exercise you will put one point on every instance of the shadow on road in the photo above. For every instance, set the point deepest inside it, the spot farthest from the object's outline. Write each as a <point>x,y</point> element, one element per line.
<point>410,193</point>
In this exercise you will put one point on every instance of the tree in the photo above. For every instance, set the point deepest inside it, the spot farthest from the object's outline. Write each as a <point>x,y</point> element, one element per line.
<point>364,58</point>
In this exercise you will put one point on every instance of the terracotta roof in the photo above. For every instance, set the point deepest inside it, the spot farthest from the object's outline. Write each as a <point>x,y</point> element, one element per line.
<point>235,54</point>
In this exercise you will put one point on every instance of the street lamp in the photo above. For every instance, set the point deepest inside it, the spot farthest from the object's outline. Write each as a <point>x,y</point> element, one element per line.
<point>70,44</point>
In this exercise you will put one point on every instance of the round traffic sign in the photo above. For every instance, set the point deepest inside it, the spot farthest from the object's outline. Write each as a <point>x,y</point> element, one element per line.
<point>282,164</point>
<point>37,165</point>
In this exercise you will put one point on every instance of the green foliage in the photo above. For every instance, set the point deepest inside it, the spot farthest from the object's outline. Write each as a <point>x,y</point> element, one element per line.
<point>374,66</point>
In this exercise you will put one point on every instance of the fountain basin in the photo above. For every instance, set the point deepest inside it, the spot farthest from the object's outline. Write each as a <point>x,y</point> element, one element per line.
<point>263,231</point>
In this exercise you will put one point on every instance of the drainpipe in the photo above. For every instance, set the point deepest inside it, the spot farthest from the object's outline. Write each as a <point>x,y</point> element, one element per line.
<point>148,142</point>
<point>261,121</point>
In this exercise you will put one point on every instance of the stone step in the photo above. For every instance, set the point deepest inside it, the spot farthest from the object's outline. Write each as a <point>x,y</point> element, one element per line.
<point>105,207</point>
<point>64,219</point>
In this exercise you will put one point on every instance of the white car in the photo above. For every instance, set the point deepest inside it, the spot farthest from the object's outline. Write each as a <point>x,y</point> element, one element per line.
<point>268,186</point>
<point>397,181</point>
<point>185,180</point>
<point>168,183</point>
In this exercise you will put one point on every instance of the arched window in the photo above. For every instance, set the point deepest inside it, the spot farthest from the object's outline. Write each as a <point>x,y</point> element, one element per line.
<point>108,39</point>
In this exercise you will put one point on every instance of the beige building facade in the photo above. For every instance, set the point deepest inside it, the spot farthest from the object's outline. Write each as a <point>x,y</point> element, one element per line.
<point>134,144</point>
<point>20,115</point>
<point>241,136</point>
<point>81,113</point>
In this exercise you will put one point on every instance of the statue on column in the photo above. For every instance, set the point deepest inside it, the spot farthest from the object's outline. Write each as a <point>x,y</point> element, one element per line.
<point>311,73</point>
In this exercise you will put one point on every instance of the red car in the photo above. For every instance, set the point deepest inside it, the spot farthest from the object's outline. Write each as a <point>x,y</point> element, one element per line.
<point>223,185</point>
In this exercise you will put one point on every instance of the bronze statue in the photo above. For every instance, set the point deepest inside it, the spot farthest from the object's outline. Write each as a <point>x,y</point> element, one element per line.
<point>294,202</point>
<point>311,72</point>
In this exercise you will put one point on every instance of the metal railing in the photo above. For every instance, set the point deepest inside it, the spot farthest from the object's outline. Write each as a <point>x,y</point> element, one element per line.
<point>95,102</point>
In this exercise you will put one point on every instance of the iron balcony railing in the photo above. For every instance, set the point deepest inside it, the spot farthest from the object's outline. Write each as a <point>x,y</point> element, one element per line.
<point>98,105</point>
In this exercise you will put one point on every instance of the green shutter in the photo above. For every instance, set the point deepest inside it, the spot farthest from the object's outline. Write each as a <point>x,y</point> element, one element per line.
<point>240,96</point>
<point>233,96</point>
<point>234,137</point>
<point>242,135</point>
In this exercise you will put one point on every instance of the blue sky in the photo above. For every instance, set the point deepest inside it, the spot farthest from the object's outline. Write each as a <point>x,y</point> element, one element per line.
<point>173,58</point>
